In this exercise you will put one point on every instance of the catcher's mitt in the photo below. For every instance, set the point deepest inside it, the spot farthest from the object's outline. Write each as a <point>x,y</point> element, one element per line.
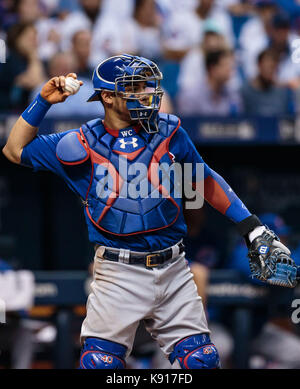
<point>269,262</point>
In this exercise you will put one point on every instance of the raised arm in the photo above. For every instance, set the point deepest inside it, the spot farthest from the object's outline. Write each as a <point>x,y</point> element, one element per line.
<point>26,127</point>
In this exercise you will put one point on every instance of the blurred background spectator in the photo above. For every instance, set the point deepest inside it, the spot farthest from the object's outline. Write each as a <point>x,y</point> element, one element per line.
<point>23,70</point>
<point>179,36</point>
<point>108,36</point>
<point>192,69</point>
<point>80,50</point>
<point>272,29</point>
<point>64,63</point>
<point>16,339</point>
<point>144,29</point>
<point>264,95</point>
<point>280,41</point>
<point>85,16</point>
<point>213,95</point>
<point>26,11</point>
<point>258,26</point>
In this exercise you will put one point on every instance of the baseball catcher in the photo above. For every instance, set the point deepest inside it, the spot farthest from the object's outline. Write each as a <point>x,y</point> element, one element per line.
<point>134,219</point>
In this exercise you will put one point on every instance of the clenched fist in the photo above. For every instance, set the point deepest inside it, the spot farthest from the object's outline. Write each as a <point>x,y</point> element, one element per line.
<point>53,91</point>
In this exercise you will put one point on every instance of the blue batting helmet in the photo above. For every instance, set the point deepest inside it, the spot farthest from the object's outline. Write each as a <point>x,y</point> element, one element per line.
<point>121,74</point>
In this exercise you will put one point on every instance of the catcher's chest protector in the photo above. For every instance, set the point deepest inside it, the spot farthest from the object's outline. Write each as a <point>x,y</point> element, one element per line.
<point>125,198</point>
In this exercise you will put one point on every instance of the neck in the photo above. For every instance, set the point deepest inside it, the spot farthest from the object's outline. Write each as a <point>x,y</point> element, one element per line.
<point>215,86</point>
<point>203,11</point>
<point>263,83</point>
<point>116,123</point>
<point>92,14</point>
<point>281,47</point>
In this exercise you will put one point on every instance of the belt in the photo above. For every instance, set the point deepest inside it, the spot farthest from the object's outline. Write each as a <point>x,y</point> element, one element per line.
<point>148,259</point>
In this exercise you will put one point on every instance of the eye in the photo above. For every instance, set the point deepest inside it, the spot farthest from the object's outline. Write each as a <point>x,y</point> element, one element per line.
<point>133,89</point>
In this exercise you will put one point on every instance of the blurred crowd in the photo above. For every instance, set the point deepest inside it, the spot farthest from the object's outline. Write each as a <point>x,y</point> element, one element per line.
<point>219,57</point>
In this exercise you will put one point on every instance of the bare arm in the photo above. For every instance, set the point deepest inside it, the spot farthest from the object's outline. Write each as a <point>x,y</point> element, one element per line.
<point>22,132</point>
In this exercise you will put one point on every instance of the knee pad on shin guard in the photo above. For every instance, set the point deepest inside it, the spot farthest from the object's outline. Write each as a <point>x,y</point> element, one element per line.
<point>196,352</point>
<point>102,354</point>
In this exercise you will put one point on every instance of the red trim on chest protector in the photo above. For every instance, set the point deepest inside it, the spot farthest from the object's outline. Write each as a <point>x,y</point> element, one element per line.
<point>117,180</point>
<point>152,176</point>
<point>161,150</point>
<point>137,232</point>
<point>164,147</point>
<point>130,156</point>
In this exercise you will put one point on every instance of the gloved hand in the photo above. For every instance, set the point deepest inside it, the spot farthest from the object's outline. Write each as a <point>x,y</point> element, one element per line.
<point>270,260</point>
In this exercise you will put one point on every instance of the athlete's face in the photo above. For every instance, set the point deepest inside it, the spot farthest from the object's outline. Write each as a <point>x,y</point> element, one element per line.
<point>116,107</point>
<point>137,90</point>
<point>120,109</point>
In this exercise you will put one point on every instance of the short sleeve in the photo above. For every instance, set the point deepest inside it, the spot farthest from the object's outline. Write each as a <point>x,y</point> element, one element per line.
<point>40,153</point>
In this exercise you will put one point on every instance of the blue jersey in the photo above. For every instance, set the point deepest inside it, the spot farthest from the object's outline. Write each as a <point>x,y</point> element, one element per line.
<point>40,154</point>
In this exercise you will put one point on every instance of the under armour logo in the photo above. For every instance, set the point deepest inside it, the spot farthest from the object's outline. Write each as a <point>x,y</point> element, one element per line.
<point>132,142</point>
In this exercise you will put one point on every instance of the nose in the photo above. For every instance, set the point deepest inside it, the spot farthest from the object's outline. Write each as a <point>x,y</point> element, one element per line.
<point>145,100</point>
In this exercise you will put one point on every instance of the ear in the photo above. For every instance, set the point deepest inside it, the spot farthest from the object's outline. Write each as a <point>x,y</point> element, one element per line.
<point>107,97</point>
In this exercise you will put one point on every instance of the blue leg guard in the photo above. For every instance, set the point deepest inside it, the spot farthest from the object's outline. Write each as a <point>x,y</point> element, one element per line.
<point>196,352</point>
<point>102,354</point>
